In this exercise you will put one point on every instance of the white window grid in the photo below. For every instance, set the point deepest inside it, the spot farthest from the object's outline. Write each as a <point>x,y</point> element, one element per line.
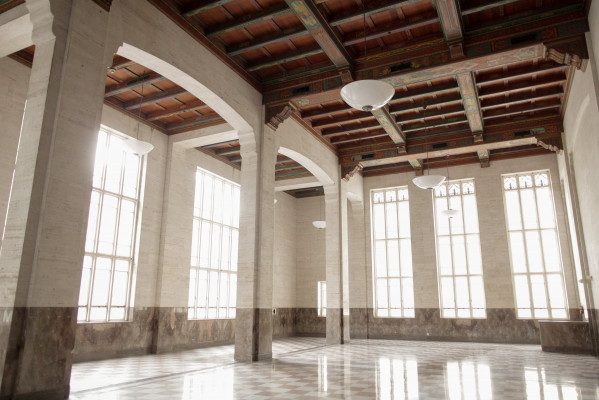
<point>393,284</point>
<point>459,261</point>
<point>107,276</point>
<point>535,255</point>
<point>213,272</point>
<point>322,298</point>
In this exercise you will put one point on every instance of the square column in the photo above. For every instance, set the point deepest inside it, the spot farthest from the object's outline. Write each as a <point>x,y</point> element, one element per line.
<point>43,247</point>
<point>253,322</point>
<point>334,267</point>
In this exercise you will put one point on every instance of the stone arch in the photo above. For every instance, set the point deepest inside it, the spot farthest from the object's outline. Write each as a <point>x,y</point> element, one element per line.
<point>177,56</point>
<point>309,164</point>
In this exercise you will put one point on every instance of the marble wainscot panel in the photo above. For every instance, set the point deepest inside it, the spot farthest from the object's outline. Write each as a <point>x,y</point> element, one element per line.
<point>283,322</point>
<point>308,323</point>
<point>97,341</point>
<point>500,326</point>
<point>175,332</point>
<point>566,336</point>
<point>39,335</point>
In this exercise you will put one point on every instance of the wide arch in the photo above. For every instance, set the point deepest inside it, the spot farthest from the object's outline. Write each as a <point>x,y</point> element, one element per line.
<point>177,56</point>
<point>301,146</point>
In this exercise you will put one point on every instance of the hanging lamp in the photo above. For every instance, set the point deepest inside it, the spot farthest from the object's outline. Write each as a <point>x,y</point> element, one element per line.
<point>427,181</point>
<point>320,224</point>
<point>368,94</point>
<point>134,145</point>
<point>449,212</point>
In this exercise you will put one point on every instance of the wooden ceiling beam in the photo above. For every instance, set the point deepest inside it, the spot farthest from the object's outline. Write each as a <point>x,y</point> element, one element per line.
<point>417,116</point>
<point>249,20</point>
<point>388,123</point>
<point>357,116</point>
<point>442,99</point>
<point>390,29</point>
<point>277,37</point>
<point>380,7</point>
<point>487,79</point>
<point>442,122</point>
<point>523,108</point>
<point>154,98</point>
<point>197,122</point>
<point>358,137</point>
<point>203,6</point>
<point>527,84</point>
<point>471,104</point>
<point>488,6</point>
<point>133,84</point>
<point>120,63</point>
<point>546,92</point>
<point>321,31</point>
<point>230,151</point>
<point>350,129</point>
<point>450,17</point>
<point>169,112</point>
<point>413,94</point>
<point>296,55</point>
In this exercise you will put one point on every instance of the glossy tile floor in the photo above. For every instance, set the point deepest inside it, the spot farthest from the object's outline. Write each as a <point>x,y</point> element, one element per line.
<point>364,369</point>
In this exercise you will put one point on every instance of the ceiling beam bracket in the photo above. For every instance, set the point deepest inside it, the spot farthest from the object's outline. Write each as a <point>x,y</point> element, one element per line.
<point>417,165</point>
<point>484,157</point>
<point>572,60</point>
<point>276,115</point>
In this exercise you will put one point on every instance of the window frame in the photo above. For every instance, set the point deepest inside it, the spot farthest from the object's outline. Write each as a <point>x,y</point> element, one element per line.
<point>322,298</point>
<point>539,229</point>
<point>193,309</point>
<point>450,235</point>
<point>95,254</point>
<point>403,308</point>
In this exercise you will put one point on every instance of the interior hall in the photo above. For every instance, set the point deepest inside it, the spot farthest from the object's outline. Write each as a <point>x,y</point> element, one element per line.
<point>259,199</point>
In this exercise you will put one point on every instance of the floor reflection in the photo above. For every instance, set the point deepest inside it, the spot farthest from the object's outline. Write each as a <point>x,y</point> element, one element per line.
<point>367,369</point>
<point>397,379</point>
<point>468,380</point>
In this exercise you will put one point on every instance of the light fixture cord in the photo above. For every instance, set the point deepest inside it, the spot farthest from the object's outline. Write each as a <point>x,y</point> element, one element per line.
<point>143,82</point>
<point>364,25</point>
<point>426,138</point>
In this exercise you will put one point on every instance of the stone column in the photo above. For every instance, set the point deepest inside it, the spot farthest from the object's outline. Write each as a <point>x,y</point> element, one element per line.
<point>253,324</point>
<point>42,252</point>
<point>344,225</point>
<point>335,331</point>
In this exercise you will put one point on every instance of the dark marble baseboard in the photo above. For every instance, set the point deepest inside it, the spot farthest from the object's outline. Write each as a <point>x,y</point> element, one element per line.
<point>566,337</point>
<point>283,322</point>
<point>308,323</point>
<point>500,326</point>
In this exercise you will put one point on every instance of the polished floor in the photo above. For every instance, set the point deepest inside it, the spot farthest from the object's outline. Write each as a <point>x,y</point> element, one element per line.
<point>302,368</point>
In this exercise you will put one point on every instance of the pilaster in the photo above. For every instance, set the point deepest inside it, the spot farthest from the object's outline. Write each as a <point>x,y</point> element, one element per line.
<point>44,236</point>
<point>253,323</point>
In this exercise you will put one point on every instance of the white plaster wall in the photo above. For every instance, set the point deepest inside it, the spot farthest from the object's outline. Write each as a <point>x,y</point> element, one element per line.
<point>173,273</point>
<point>14,78</point>
<point>493,231</point>
<point>152,199</point>
<point>285,246</point>
<point>581,134</point>
<point>311,261</point>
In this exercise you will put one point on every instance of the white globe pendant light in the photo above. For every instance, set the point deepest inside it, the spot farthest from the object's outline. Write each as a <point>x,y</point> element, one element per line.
<point>319,224</point>
<point>428,181</point>
<point>137,146</point>
<point>367,95</point>
<point>450,213</point>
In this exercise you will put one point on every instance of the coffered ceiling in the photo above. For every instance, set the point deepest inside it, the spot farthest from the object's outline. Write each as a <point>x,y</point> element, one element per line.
<point>472,78</point>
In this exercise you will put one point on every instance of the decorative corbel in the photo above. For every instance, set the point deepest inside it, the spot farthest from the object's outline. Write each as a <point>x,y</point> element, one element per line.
<point>347,171</point>
<point>417,165</point>
<point>484,157</point>
<point>275,115</point>
<point>347,75</point>
<point>572,60</point>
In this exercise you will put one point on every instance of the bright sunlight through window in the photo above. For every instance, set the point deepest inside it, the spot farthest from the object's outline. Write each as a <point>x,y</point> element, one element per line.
<point>534,246</point>
<point>213,274</point>
<point>106,282</point>
<point>459,260</point>
<point>392,253</point>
